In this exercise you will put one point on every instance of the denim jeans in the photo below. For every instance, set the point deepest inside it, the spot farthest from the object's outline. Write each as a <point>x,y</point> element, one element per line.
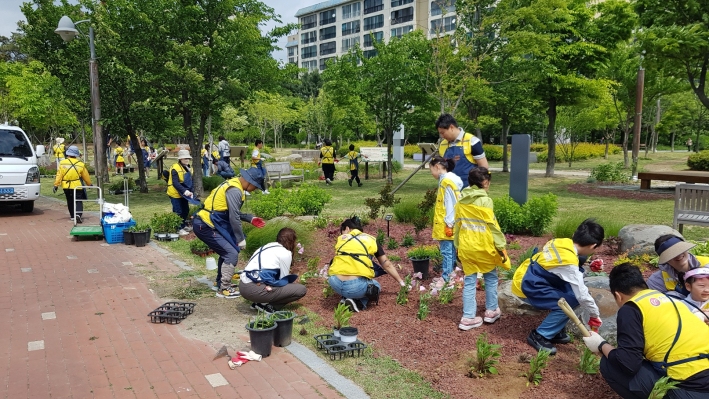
<point>448,253</point>
<point>227,253</point>
<point>181,207</point>
<point>352,289</point>
<point>470,305</point>
<point>205,170</point>
<point>553,324</point>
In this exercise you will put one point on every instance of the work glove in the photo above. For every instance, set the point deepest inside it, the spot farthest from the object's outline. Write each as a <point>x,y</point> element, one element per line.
<point>242,244</point>
<point>594,323</point>
<point>596,265</point>
<point>187,193</point>
<point>593,341</point>
<point>505,259</point>
<point>449,231</point>
<point>54,189</point>
<point>263,159</point>
<point>258,222</point>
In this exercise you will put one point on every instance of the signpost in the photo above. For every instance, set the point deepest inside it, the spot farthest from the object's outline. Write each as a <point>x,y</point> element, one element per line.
<point>374,154</point>
<point>240,152</point>
<point>426,149</point>
<point>519,168</point>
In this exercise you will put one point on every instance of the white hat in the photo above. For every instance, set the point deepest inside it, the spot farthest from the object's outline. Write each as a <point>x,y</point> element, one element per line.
<point>60,140</point>
<point>182,154</point>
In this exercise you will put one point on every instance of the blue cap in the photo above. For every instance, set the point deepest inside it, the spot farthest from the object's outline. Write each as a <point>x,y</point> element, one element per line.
<point>73,151</point>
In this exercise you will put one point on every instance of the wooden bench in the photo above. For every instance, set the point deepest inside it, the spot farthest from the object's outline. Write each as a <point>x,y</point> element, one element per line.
<point>685,177</point>
<point>691,205</point>
<point>279,171</point>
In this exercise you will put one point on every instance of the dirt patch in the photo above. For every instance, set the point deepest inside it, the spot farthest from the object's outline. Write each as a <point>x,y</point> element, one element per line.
<point>595,190</point>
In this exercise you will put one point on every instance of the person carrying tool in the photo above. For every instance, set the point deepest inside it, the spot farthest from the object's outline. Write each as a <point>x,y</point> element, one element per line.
<point>657,336</point>
<point>354,158</point>
<point>181,190</point>
<point>352,270</point>
<point>72,173</point>
<point>327,159</point>
<point>257,161</point>
<point>674,261</point>
<point>218,224</point>
<point>464,148</point>
<point>59,149</point>
<point>553,274</point>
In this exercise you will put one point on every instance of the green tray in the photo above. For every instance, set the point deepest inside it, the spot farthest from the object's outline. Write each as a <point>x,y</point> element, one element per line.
<point>87,231</point>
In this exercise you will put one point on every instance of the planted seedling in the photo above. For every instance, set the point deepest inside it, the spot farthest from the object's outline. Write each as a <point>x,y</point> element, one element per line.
<point>662,386</point>
<point>408,240</point>
<point>312,270</point>
<point>538,363</point>
<point>424,301</point>
<point>445,295</point>
<point>381,236</point>
<point>342,316</point>
<point>262,322</point>
<point>392,243</point>
<point>286,314</point>
<point>402,298</point>
<point>487,354</point>
<point>589,363</point>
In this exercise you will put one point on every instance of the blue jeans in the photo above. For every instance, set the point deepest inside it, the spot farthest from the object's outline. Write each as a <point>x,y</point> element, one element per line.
<point>448,253</point>
<point>470,305</point>
<point>553,324</point>
<point>352,289</point>
<point>227,252</point>
<point>205,169</point>
<point>181,207</point>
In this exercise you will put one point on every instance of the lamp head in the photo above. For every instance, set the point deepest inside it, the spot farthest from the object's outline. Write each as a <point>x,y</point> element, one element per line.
<point>66,29</point>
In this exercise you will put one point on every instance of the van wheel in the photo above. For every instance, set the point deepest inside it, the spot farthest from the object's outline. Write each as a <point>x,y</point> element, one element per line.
<point>27,206</point>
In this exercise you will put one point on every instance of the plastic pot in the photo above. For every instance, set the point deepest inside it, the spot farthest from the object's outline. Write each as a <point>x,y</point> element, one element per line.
<point>348,334</point>
<point>336,333</point>
<point>141,238</point>
<point>261,339</point>
<point>150,233</point>
<point>284,332</point>
<point>421,266</point>
<point>173,236</point>
<point>128,237</point>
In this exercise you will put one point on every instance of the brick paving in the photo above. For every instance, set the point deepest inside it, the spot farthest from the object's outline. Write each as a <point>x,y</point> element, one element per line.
<point>73,325</point>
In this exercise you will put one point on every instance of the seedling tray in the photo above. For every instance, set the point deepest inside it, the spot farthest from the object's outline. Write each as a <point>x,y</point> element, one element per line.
<point>171,312</point>
<point>336,349</point>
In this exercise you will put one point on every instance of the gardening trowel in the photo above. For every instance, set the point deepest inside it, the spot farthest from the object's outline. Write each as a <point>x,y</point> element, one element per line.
<point>223,352</point>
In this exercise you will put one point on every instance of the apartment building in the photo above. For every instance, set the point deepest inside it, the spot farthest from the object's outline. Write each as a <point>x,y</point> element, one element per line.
<point>331,28</point>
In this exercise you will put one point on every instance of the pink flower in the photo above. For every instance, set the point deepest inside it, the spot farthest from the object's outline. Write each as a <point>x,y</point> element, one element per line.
<point>418,275</point>
<point>434,292</point>
<point>300,251</point>
<point>299,245</point>
<point>451,282</point>
<point>422,288</point>
<point>457,269</point>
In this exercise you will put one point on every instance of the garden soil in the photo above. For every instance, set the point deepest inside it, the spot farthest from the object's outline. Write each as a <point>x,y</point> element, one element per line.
<point>595,190</point>
<point>436,348</point>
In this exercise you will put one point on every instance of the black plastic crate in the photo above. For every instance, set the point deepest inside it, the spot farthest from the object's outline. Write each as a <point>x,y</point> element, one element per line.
<point>171,312</point>
<point>336,349</point>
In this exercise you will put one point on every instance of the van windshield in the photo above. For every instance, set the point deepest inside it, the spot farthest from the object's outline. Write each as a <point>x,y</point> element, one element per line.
<point>14,144</point>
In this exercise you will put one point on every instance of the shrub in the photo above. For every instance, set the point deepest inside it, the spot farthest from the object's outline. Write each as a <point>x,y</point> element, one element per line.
<point>166,222</point>
<point>392,243</point>
<point>582,152</point>
<point>257,238</point>
<point>304,200</point>
<point>508,214</point>
<point>493,152</point>
<point>342,151</point>
<point>385,200</point>
<point>271,205</point>
<point>422,252</point>
<point>406,212</point>
<point>699,161</point>
<point>538,148</point>
<point>381,236</point>
<point>198,245</point>
<point>410,150</point>
<point>211,182</point>
<point>408,240</point>
<point>567,225</point>
<point>610,172</point>
<point>396,166</point>
<point>118,185</point>
<point>535,216</point>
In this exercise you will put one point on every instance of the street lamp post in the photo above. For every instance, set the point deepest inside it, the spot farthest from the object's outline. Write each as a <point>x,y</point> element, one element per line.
<point>68,31</point>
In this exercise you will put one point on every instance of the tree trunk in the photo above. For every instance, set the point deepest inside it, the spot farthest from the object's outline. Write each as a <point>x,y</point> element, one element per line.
<point>143,184</point>
<point>658,115</point>
<point>626,130</point>
<point>648,134</point>
<point>503,139</point>
<point>672,142</point>
<point>551,138</point>
<point>390,139</point>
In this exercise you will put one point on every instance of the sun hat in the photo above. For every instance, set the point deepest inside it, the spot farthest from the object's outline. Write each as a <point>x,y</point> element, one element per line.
<point>253,176</point>
<point>182,154</point>
<point>700,272</point>
<point>60,140</point>
<point>672,248</point>
<point>73,151</point>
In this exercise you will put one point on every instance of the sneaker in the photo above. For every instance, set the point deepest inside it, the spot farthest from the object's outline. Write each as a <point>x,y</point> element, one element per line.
<point>561,338</point>
<point>352,304</point>
<point>229,292</point>
<point>215,287</point>
<point>491,316</point>
<point>183,232</point>
<point>342,300</point>
<point>72,219</point>
<point>467,323</point>
<point>264,307</point>
<point>350,181</point>
<point>265,192</point>
<point>536,341</point>
<point>78,219</point>
<point>360,184</point>
<point>247,193</point>
<point>187,229</point>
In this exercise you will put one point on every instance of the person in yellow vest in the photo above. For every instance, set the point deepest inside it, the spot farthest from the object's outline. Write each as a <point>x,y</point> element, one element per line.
<point>257,162</point>
<point>481,248</point>
<point>180,188</point>
<point>59,149</point>
<point>352,270</point>
<point>449,186</point>
<point>327,159</point>
<point>218,224</point>
<point>697,283</point>
<point>120,161</point>
<point>72,173</point>
<point>205,161</point>
<point>555,273</point>
<point>354,158</point>
<point>674,261</point>
<point>464,148</point>
<point>657,336</point>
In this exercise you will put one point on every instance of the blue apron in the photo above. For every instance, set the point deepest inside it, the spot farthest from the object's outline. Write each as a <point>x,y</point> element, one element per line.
<point>544,289</point>
<point>187,182</point>
<point>462,165</point>
<point>271,277</point>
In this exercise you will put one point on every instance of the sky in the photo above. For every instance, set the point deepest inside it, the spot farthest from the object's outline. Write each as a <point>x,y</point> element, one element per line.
<point>10,10</point>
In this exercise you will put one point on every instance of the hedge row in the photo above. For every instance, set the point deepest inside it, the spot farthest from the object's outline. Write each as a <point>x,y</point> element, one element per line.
<point>582,152</point>
<point>699,161</point>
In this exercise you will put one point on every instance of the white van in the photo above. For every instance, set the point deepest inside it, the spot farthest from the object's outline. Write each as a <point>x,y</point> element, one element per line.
<point>19,174</point>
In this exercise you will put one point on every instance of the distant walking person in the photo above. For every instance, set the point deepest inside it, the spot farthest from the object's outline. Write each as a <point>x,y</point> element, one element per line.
<point>70,174</point>
<point>354,158</point>
<point>257,161</point>
<point>327,159</point>
<point>59,150</point>
<point>689,144</point>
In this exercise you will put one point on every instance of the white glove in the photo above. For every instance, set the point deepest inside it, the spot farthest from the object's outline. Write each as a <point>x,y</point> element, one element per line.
<point>187,193</point>
<point>263,159</point>
<point>242,244</point>
<point>593,341</point>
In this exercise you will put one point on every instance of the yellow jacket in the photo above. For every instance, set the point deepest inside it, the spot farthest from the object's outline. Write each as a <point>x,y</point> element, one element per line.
<point>58,150</point>
<point>439,211</point>
<point>119,154</point>
<point>217,200</point>
<point>557,252</point>
<point>353,255</point>
<point>328,154</point>
<point>181,170</point>
<point>71,170</point>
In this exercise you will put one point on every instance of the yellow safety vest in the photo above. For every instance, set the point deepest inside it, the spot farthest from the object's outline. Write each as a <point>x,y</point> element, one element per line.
<point>72,169</point>
<point>254,163</point>
<point>352,156</point>
<point>660,324</point>
<point>476,250</point>
<point>439,212</point>
<point>119,154</point>
<point>181,170</point>
<point>217,200</point>
<point>58,150</point>
<point>353,254</point>
<point>327,154</point>
<point>557,252</point>
<point>465,143</point>
<point>671,282</point>
<point>215,156</point>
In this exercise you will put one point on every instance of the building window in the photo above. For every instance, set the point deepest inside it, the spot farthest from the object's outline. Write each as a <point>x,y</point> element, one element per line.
<point>309,65</point>
<point>370,53</point>
<point>399,32</point>
<point>443,25</point>
<point>291,60</point>
<point>309,52</point>
<point>328,33</point>
<point>397,3</point>
<point>291,51</point>
<point>349,43</point>
<point>351,11</point>
<point>437,6</point>
<point>309,22</point>
<point>308,37</point>
<point>323,62</point>
<point>327,17</point>
<point>350,28</point>
<point>371,6</point>
<point>402,15</point>
<point>374,22</point>
<point>328,48</point>
<point>369,41</point>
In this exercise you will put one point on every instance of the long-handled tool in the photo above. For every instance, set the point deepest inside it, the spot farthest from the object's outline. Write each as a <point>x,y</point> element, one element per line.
<point>570,313</point>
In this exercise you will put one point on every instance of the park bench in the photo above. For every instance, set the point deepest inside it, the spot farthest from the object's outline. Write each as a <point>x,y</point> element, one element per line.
<point>279,171</point>
<point>684,177</point>
<point>691,205</point>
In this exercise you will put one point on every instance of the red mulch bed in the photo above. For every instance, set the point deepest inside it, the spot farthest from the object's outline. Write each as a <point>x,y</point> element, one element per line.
<point>594,190</point>
<point>437,349</point>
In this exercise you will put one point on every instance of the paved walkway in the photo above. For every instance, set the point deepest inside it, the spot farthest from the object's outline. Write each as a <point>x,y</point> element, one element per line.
<point>73,325</point>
